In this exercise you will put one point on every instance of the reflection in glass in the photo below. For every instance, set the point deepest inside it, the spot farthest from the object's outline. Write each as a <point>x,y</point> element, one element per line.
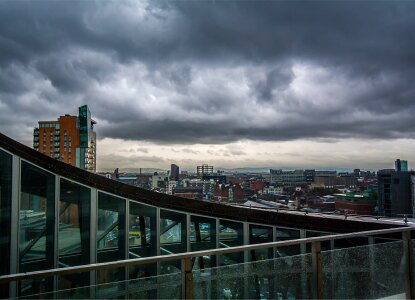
<point>74,236</point>
<point>173,238</point>
<point>37,225</point>
<point>203,237</point>
<point>111,236</point>
<point>142,238</point>
<point>326,245</point>
<point>172,232</point>
<point>230,235</point>
<point>5,212</point>
<point>257,235</point>
<point>284,234</point>
<point>142,242</point>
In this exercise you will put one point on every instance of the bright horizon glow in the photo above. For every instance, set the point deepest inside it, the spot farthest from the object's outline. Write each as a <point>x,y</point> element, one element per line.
<point>348,153</point>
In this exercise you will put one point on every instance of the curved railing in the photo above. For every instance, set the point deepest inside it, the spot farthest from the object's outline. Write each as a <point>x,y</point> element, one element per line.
<point>54,216</point>
<point>324,281</point>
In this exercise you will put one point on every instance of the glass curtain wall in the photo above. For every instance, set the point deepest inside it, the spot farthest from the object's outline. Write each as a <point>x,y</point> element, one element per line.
<point>257,235</point>
<point>142,242</point>
<point>5,214</point>
<point>285,234</point>
<point>74,231</point>
<point>37,226</point>
<point>230,235</point>
<point>203,237</point>
<point>111,236</point>
<point>326,245</point>
<point>173,238</point>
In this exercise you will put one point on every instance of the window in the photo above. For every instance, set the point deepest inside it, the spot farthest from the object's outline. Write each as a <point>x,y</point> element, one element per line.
<point>173,237</point>
<point>37,225</point>
<point>74,236</point>
<point>203,237</point>
<point>111,235</point>
<point>142,238</point>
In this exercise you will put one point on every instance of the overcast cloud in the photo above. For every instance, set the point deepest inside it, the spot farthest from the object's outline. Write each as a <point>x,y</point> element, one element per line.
<point>211,72</point>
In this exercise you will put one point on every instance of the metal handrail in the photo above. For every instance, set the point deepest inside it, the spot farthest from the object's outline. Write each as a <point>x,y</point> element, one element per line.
<point>188,255</point>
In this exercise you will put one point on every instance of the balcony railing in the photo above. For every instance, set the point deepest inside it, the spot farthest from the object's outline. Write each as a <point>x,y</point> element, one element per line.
<point>373,271</point>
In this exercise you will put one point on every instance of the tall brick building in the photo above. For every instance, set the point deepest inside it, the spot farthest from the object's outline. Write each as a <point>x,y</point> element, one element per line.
<point>70,139</point>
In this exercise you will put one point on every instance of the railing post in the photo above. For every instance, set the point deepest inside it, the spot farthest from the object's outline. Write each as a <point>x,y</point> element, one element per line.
<point>409,263</point>
<point>187,278</point>
<point>317,264</point>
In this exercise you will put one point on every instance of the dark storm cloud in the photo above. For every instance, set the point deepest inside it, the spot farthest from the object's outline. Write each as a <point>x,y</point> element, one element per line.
<point>276,80</point>
<point>212,72</point>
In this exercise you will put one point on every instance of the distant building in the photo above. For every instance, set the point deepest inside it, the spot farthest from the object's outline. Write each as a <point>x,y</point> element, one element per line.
<point>204,170</point>
<point>70,139</point>
<point>257,185</point>
<point>215,177</point>
<point>297,177</point>
<point>131,180</point>
<point>287,178</point>
<point>171,184</point>
<point>174,172</point>
<point>183,175</point>
<point>333,181</point>
<point>394,192</point>
<point>401,165</point>
<point>208,186</point>
<point>159,181</point>
<point>189,192</point>
<point>228,193</point>
<point>309,175</point>
<point>273,190</point>
<point>326,173</point>
<point>361,204</point>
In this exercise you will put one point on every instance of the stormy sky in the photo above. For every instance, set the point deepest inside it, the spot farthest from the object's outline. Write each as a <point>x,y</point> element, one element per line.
<point>231,83</point>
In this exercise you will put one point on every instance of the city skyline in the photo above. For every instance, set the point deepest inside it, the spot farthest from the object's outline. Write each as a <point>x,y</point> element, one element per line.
<point>232,84</point>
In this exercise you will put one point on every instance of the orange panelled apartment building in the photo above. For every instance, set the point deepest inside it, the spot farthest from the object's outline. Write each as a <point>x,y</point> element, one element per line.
<point>70,139</point>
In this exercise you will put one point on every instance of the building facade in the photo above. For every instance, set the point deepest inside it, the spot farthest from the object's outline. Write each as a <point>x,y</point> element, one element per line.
<point>287,178</point>
<point>351,202</point>
<point>174,172</point>
<point>394,192</point>
<point>70,139</point>
<point>401,165</point>
<point>204,170</point>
